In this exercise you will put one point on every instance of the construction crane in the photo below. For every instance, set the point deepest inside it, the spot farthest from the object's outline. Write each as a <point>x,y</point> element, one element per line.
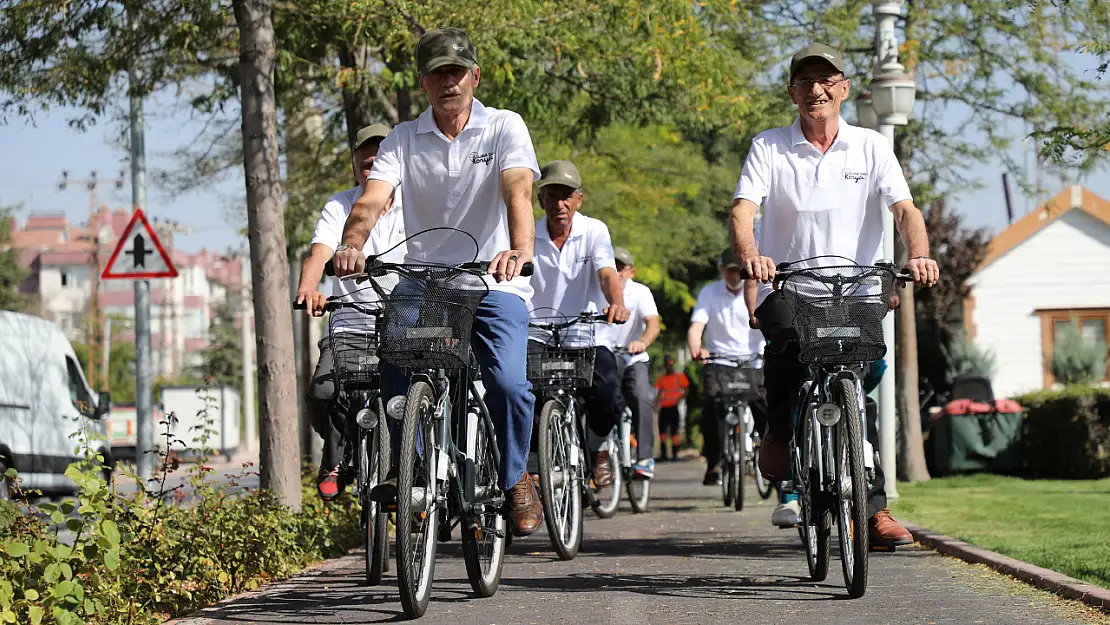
<point>93,329</point>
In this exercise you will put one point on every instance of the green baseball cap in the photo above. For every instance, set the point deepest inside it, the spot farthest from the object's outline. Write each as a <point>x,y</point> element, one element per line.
<point>444,46</point>
<point>728,259</point>
<point>376,131</point>
<point>560,172</point>
<point>623,256</point>
<point>829,54</point>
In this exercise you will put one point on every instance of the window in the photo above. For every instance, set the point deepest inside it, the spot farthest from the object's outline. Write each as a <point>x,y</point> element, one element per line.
<point>1094,327</point>
<point>65,279</point>
<point>78,391</point>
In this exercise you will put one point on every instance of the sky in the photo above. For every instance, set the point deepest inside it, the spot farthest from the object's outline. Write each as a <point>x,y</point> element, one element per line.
<point>34,154</point>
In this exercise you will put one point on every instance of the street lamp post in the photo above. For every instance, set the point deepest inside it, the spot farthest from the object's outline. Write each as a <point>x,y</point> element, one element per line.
<point>887,104</point>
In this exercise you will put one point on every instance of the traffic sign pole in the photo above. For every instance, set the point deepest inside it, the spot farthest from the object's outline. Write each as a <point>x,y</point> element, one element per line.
<point>144,389</point>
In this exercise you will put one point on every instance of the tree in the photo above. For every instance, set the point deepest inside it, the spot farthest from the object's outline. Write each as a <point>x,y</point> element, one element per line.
<point>121,370</point>
<point>1065,144</point>
<point>12,271</point>
<point>222,358</point>
<point>269,264</point>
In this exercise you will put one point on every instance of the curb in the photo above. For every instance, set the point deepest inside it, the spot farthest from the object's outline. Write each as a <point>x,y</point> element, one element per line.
<point>1040,577</point>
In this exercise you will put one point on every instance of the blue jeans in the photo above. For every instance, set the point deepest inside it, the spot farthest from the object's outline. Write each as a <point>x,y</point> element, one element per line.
<point>499,341</point>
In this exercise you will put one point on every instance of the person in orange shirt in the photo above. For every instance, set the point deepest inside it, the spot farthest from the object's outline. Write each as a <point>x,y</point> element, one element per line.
<point>672,388</point>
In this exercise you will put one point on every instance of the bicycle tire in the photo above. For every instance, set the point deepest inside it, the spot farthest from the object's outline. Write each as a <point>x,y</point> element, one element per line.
<point>738,461</point>
<point>850,441</point>
<point>369,475</point>
<point>763,486</point>
<point>564,530</point>
<point>816,518</point>
<point>415,583</point>
<point>381,523</point>
<point>638,491</point>
<point>608,507</point>
<point>729,478</point>
<point>484,574</point>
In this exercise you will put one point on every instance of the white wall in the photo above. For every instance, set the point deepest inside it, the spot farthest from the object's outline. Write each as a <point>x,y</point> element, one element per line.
<point>1065,265</point>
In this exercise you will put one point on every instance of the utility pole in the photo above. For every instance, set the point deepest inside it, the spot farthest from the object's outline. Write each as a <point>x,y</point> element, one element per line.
<point>92,183</point>
<point>107,351</point>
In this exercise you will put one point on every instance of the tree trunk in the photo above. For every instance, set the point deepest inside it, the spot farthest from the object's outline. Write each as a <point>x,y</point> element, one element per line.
<point>912,462</point>
<point>279,457</point>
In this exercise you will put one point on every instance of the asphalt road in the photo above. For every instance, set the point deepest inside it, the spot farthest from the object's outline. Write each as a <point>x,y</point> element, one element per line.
<point>688,560</point>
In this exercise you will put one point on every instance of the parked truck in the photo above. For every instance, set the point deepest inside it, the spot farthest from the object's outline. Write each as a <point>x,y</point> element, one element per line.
<point>194,409</point>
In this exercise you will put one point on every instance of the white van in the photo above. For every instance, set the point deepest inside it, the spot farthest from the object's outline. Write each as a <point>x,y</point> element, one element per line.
<point>45,402</point>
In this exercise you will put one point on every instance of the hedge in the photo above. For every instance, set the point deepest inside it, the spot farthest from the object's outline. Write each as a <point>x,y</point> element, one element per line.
<point>1066,433</point>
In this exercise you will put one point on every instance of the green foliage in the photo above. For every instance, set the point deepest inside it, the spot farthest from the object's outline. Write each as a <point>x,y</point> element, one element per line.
<point>223,357</point>
<point>12,271</point>
<point>121,369</point>
<point>1066,433</point>
<point>1075,360</point>
<point>965,357</point>
<point>159,552</point>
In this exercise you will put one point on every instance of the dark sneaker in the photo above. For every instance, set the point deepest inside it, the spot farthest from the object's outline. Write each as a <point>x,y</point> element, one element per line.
<point>712,478</point>
<point>774,458</point>
<point>385,492</point>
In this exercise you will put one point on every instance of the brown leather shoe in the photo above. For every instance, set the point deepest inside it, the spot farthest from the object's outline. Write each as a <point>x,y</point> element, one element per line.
<point>524,507</point>
<point>884,531</point>
<point>603,475</point>
<point>774,457</point>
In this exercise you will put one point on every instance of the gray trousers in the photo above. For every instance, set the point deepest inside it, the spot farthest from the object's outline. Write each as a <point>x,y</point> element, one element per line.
<point>321,401</point>
<point>636,387</point>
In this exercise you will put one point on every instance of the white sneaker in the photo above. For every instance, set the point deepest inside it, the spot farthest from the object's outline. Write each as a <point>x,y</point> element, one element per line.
<point>786,514</point>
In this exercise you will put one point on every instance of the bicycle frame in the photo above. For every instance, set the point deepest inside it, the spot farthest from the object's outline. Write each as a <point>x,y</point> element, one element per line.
<point>817,396</point>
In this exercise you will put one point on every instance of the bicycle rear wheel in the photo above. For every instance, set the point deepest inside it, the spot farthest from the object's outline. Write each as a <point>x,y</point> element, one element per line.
<point>639,491</point>
<point>852,508</point>
<point>738,458</point>
<point>763,486</point>
<point>816,519</point>
<point>374,519</point>
<point>417,512</point>
<point>483,536</point>
<point>560,479</point>
<point>609,497</point>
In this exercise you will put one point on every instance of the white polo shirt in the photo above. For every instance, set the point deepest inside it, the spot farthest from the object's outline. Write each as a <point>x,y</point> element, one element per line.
<point>640,302</point>
<point>725,316</point>
<point>388,234</point>
<point>565,280</point>
<point>818,204</point>
<point>457,184</point>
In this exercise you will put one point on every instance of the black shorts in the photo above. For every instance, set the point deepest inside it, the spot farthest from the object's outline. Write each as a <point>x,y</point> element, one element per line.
<point>668,420</point>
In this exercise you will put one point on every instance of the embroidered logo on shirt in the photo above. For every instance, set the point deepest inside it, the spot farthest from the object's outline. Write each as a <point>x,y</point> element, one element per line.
<point>485,159</point>
<point>854,176</point>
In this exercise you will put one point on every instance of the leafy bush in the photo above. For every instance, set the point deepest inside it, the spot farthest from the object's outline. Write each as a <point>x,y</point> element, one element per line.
<point>965,358</point>
<point>1075,361</point>
<point>145,557</point>
<point>1066,433</point>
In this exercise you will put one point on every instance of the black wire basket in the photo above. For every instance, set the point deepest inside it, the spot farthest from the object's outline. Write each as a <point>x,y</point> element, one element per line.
<point>560,357</point>
<point>743,381</point>
<point>428,316</point>
<point>838,312</point>
<point>353,336</point>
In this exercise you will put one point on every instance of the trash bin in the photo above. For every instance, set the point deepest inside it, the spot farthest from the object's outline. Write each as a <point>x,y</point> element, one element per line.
<point>977,436</point>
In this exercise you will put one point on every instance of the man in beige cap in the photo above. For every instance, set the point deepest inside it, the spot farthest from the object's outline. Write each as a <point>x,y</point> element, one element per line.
<point>322,398</point>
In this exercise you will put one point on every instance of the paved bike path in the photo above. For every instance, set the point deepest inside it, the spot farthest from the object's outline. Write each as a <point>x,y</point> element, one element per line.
<point>689,560</point>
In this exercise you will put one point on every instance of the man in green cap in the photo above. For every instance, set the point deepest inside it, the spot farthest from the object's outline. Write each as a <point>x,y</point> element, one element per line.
<point>323,397</point>
<point>464,172</point>
<point>823,185</point>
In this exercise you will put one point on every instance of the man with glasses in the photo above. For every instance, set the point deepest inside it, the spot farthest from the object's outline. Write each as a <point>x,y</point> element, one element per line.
<point>823,185</point>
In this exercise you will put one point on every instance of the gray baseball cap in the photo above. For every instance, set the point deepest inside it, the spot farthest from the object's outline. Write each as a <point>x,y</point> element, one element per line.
<point>728,259</point>
<point>623,256</point>
<point>560,172</point>
<point>444,46</point>
<point>826,53</point>
<point>376,131</point>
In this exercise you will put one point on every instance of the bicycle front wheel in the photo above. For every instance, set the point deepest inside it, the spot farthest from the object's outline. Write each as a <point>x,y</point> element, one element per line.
<point>560,479</point>
<point>483,535</point>
<point>639,491</point>
<point>417,512</point>
<point>609,497</point>
<point>816,518</point>
<point>851,481</point>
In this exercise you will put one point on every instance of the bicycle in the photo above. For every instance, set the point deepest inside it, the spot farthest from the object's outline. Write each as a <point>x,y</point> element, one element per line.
<point>627,445</point>
<point>739,382</point>
<point>353,338</point>
<point>837,312</point>
<point>559,371</point>
<point>425,331</point>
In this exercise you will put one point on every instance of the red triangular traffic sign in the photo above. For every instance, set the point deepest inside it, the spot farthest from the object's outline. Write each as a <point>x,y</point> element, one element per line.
<point>139,254</point>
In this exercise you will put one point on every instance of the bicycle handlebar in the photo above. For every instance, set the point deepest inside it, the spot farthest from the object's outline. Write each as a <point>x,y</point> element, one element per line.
<point>480,266</point>
<point>582,317</point>
<point>782,272</point>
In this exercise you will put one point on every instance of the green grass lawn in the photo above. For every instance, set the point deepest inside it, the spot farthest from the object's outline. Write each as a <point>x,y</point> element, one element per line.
<point>1060,525</point>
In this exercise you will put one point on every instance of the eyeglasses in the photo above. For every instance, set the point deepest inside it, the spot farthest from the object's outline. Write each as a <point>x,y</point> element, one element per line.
<point>828,82</point>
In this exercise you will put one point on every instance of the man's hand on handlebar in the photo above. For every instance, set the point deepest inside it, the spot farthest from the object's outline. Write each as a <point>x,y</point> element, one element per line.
<point>349,261</point>
<point>616,313</point>
<point>313,300</point>
<point>925,271</point>
<point>700,354</point>
<point>507,265</point>
<point>760,268</point>
<point>637,347</point>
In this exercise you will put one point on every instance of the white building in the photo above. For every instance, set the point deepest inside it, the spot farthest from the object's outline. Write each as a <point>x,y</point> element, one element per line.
<point>1046,269</point>
<point>59,253</point>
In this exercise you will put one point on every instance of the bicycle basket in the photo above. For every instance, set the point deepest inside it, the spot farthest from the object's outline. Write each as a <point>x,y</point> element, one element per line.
<point>742,381</point>
<point>353,336</point>
<point>562,367</point>
<point>838,312</point>
<point>428,316</point>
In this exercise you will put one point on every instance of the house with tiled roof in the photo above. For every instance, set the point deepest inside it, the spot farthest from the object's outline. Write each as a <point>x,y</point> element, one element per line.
<point>1049,269</point>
